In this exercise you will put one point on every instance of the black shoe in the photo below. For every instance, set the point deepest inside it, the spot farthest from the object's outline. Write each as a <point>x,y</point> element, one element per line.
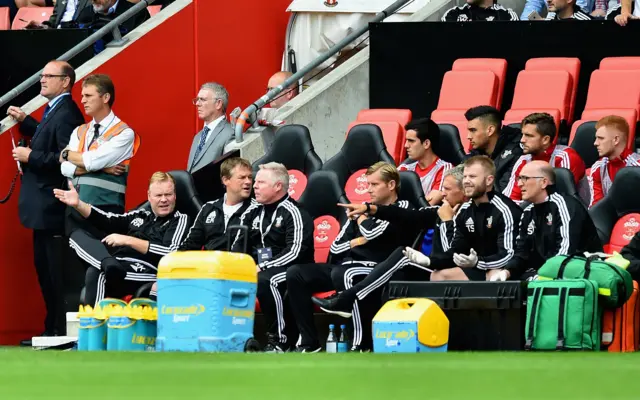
<point>274,345</point>
<point>336,304</point>
<point>308,349</point>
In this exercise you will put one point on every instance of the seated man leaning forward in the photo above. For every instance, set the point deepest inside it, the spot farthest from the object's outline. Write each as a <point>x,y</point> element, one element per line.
<point>128,256</point>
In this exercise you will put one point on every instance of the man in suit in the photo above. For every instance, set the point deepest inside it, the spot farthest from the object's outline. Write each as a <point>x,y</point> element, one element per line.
<point>65,15</point>
<point>38,208</point>
<point>209,143</point>
<point>102,12</point>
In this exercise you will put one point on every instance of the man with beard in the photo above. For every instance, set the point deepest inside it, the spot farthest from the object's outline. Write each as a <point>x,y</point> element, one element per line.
<point>441,217</point>
<point>538,132</point>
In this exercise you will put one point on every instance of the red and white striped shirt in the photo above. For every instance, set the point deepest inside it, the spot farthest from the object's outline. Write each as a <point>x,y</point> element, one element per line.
<point>604,171</point>
<point>559,157</point>
<point>430,177</point>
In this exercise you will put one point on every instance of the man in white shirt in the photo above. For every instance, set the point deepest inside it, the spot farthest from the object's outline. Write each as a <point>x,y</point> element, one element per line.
<point>209,143</point>
<point>97,157</point>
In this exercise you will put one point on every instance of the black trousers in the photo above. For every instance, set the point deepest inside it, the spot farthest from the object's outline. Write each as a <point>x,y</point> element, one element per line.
<point>47,257</point>
<point>108,276</point>
<point>303,281</point>
<point>383,272</point>
<point>272,288</point>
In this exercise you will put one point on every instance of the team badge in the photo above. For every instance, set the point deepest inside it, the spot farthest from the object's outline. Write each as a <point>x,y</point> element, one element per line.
<point>278,222</point>
<point>137,222</point>
<point>489,222</point>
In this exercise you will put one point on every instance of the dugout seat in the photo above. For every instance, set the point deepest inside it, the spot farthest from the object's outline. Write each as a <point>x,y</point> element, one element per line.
<point>38,14</point>
<point>620,63</point>
<point>617,203</point>
<point>540,91</point>
<point>394,136</point>
<point>401,116</point>
<point>320,200</point>
<point>623,231</point>
<point>450,147</point>
<point>5,22</point>
<point>293,148</point>
<point>496,65</point>
<point>565,182</point>
<point>571,65</point>
<point>363,147</point>
<point>478,87</point>
<point>625,96</point>
<point>153,10</point>
<point>411,189</point>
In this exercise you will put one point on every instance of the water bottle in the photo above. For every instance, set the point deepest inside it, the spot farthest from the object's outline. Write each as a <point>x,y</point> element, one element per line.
<point>343,341</point>
<point>331,340</point>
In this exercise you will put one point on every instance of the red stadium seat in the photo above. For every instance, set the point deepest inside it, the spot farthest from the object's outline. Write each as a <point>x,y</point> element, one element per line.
<point>325,230</point>
<point>153,10</point>
<point>462,90</point>
<point>541,91</point>
<point>571,65</point>
<point>620,63</point>
<point>626,94</point>
<point>38,14</point>
<point>496,65</point>
<point>401,116</point>
<point>623,232</point>
<point>5,22</point>
<point>392,133</point>
<point>297,183</point>
<point>357,188</point>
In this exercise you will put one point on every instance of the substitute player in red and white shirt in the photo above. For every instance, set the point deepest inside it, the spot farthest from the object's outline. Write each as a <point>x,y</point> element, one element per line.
<point>538,132</point>
<point>611,141</point>
<point>422,136</point>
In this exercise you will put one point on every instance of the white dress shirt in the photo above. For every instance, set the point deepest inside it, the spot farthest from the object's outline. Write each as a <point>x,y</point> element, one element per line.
<point>69,11</point>
<point>112,152</point>
<point>56,100</point>
<point>212,125</point>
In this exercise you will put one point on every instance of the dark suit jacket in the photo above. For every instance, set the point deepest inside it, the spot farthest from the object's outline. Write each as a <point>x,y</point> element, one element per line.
<point>38,208</point>
<point>59,9</point>
<point>90,19</point>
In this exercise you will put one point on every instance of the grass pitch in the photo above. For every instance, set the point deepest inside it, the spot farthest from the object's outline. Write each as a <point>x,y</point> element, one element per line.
<point>27,374</point>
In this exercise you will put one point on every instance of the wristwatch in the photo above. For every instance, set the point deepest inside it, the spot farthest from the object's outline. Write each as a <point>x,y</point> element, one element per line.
<point>65,154</point>
<point>368,208</point>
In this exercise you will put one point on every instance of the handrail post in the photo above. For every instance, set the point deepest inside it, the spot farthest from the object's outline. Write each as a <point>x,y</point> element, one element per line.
<point>118,40</point>
<point>111,27</point>
<point>256,105</point>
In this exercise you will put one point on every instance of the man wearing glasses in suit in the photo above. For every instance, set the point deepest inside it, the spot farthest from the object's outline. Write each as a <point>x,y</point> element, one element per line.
<point>209,143</point>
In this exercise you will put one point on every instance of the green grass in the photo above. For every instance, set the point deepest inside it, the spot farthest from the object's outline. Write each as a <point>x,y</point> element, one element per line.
<point>26,374</point>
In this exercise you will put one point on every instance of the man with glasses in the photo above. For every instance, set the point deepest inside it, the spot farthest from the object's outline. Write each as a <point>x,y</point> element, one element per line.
<point>538,134</point>
<point>209,143</point>
<point>551,225</point>
<point>38,208</point>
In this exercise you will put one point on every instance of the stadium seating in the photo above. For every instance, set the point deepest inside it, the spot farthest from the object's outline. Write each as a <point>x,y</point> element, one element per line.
<point>38,14</point>
<point>153,10</point>
<point>625,96</point>
<point>620,63</point>
<point>617,203</point>
<point>479,87</point>
<point>583,132</point>
<point>401,116</point>
<point>393,135</point>
<point>496,65</point>
<point>5,23</point>
<point>292,147</point>
<point>363,147</point>
<point>320,201</point>
<point>411,189</point>
<point>450,147</point>
<point>571,65</point>
<point>540,91</point>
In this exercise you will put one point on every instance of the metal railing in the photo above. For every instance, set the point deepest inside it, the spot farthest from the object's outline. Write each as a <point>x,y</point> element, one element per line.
<point>244,116</point>
<point>111,27</point>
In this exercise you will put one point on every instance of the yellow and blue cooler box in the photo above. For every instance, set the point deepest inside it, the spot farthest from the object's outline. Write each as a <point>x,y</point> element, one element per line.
<point>206,301</point>
<point>410,326</point>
